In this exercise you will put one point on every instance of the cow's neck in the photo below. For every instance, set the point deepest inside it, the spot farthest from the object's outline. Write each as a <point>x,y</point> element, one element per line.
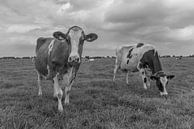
<point>156,64</point>
<point>150,59</point>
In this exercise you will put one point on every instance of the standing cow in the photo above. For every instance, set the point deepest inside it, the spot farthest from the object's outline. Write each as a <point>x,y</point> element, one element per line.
<point>59,58</point>
<point>143,58</point>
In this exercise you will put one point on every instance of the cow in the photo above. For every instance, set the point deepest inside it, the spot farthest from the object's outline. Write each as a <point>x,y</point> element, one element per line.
<point>58,59</point>
<point>142,58</point>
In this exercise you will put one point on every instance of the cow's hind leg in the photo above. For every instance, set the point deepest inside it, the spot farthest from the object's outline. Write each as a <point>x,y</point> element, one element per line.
<point>115,69</point>
<point>59,92</point>
<point>127,79</point>
<point>39,84</point>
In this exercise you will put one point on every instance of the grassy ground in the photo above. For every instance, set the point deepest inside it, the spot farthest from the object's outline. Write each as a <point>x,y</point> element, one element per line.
<point>95,101</point>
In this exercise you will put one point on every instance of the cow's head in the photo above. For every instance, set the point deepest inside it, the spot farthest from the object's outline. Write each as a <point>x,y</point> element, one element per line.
<point>161,81</point>
<point>75,38</point>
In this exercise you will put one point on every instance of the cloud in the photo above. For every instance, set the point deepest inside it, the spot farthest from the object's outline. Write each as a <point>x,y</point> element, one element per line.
<point>167,24</point>
<point>21,28</point>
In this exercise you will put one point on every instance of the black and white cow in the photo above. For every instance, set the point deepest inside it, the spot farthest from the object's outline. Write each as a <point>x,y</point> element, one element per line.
<point>59,58</point>
<point>143,58</point>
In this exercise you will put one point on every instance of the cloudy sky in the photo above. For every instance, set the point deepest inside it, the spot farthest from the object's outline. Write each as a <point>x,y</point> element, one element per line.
<point>167,24</point>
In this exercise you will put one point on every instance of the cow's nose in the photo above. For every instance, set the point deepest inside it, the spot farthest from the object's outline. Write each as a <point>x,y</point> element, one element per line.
<point>74,59</point>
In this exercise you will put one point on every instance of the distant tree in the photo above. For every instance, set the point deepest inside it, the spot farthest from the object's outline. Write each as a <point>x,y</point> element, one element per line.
<point>10,57</point>
<point>166,56</point>
<point>87,57</point>
<point>26,57</point>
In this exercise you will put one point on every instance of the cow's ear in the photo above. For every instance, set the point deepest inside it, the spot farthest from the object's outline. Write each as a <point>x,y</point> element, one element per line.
<point>59,35</point>
<point>170,77</point>
<point>91,37</point>
<point>154,77</point>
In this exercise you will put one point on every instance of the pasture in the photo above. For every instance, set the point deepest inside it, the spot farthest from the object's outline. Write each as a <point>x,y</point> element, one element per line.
<point>95,101</point>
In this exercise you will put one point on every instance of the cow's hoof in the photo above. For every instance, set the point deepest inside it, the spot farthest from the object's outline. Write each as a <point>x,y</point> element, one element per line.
<point>66,102</point>
<point>145,87</point>
<point>60,110</point>
<point>39,93</point>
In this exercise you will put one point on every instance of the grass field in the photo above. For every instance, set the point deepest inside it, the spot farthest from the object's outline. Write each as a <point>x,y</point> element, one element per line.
<point>95,101</point>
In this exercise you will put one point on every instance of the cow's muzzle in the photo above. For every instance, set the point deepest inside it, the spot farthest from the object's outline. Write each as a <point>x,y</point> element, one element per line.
<point>73,60</point>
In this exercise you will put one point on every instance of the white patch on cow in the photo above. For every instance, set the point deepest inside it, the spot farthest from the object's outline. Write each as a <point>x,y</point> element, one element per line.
<point>50,47</point>
<point>75,37</point>
<point>59,92</point>
<point>164,81</point>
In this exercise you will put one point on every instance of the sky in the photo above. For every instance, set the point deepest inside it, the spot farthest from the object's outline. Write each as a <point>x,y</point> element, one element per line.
<point>167,24</point>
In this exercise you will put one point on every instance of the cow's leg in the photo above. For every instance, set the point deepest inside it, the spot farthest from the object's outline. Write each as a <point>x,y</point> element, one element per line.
<point>55,90</point>
<point>147,74</point>
<point>67,92</point>
<point>115,69</point>
<point>148,82</point>
<point>59,93</point>
<point>127,79</point>
<point>39,84</point>
<point>68,80</point>
<point>144,78</point>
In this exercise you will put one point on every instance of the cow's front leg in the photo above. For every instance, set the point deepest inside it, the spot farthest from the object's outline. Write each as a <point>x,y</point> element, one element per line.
<point>144,78</point>
<point>115,71</point>
<point>67,92</point>
<point>59,92</point>
<point>148,82</point>
<point>68,80</point>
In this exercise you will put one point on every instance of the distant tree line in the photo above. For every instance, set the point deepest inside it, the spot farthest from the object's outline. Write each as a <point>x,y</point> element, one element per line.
<point>12,57</point>
<point>98,57</point>
<point>92,57</point>
<point>168,56</point>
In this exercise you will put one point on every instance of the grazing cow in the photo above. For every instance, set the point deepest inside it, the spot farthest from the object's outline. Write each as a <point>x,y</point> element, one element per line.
<point>143,58</point>
<point>59,58</point>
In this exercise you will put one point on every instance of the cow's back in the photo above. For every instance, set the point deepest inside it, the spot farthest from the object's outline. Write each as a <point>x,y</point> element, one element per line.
<point>129,56</point>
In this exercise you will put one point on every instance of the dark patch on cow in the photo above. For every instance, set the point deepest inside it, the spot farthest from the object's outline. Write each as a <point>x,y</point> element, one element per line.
<point>124,70</point>
<point>159,85</point>
<point>145,80</point>
<point>139,45</point>
<point>143,65</point>
<point>151,60</point>
<point>129,55</point>
<point>135,70</point>
<point>127,61</point>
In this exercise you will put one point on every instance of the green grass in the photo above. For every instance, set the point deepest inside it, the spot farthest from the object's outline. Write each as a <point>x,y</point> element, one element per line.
<point>95,101</point>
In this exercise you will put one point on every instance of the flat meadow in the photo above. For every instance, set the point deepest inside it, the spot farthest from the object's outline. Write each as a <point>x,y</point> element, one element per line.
<point>95,101</point>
